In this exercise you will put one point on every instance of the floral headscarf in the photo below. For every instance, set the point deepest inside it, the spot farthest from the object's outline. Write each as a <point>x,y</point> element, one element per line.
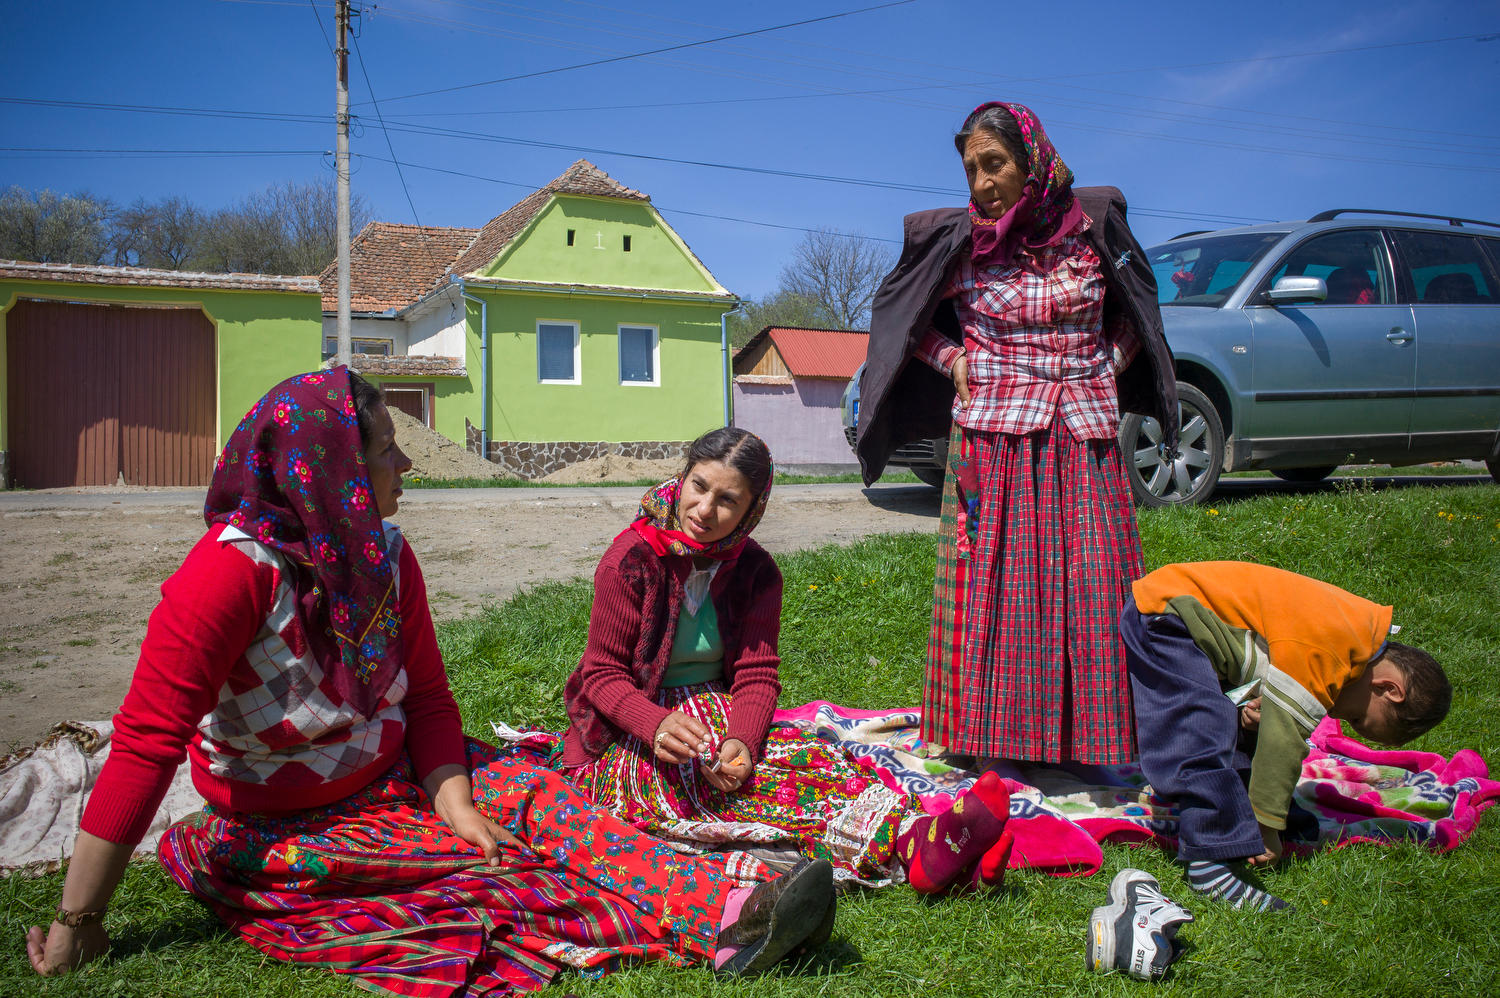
<point>293,477</point>
<point>1045,212</point>
<point>656,521</point>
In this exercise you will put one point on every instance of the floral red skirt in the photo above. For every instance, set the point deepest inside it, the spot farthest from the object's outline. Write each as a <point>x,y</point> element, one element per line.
<point>804,795</point>
<point>378,886</point>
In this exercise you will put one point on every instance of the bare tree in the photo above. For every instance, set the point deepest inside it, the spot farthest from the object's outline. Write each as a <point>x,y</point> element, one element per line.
<point>780,308</point>
<point>53,228</point>
<point>171,234</point>
<point>840,272</point>
<point>288,228</point>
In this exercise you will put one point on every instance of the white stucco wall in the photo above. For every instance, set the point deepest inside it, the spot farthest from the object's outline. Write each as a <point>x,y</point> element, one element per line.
<point>434,328</point>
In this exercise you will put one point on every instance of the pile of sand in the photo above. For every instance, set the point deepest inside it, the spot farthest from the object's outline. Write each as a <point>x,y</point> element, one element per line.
<point>435,456</point>
<point>613,468</point>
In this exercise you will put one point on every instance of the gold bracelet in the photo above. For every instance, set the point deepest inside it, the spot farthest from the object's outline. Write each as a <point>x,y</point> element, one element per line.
<point>78,919</point>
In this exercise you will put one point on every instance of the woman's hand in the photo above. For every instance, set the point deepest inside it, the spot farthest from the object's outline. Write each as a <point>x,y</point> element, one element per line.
<point>961,379</point>
<point>61,948</point>
<point>680,738</point>
<point>734,766</point>
<point>453,800</point>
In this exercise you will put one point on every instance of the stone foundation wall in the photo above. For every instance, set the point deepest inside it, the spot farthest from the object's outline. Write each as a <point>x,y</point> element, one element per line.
<point>533,460</point>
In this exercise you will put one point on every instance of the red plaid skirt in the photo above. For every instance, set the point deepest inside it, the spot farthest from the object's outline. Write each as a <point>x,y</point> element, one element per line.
<point>378,886</point>
<point>1035,560</point>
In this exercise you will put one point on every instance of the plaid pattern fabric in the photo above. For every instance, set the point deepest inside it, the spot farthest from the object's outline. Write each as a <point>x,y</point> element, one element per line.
<point>379,887</point>
<point>1036,345</point>
<point>1024,658</point>
<point>280,717</point>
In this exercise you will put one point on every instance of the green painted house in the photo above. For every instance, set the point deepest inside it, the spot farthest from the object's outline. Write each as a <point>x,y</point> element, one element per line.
<point>130,375</point>
<point>575,323</point>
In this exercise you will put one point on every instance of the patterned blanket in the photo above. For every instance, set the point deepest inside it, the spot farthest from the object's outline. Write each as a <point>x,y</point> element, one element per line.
<point>1349,792</point>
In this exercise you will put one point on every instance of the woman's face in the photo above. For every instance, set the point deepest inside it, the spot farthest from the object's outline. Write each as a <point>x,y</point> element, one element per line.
<point>385,462</point>
<point>713,501</point>
<point>995,178</point>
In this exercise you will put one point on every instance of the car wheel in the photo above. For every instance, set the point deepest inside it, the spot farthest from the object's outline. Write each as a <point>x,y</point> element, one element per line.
<point>1304,474</point>
<point>931,474</point>
<point>1187,476</point>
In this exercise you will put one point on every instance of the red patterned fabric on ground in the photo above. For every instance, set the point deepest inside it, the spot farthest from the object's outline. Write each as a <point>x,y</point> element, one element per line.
<point>805,794</point>
<point>1024,658</point>
<point>378,886</point>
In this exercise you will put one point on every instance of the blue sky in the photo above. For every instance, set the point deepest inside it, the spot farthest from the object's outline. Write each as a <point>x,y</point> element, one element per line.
<point>1205,115</point>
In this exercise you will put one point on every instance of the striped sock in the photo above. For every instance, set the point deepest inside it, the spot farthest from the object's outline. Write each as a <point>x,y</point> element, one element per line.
<point>1220,881</point>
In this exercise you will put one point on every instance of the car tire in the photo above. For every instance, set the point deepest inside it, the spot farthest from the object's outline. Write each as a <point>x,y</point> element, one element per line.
<point>929,474</point>
<point>1189,476</point>
<point>1304,475</point>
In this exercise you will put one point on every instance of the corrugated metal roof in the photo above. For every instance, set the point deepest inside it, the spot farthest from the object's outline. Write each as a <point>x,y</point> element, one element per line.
<point>820,353</point>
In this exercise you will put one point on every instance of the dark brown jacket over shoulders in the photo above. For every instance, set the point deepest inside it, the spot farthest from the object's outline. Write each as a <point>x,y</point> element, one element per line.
<point>902,399</point>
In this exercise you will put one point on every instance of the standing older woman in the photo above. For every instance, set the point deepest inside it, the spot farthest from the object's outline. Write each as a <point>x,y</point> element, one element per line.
<point>349,824</point>
<point>1035,307</point>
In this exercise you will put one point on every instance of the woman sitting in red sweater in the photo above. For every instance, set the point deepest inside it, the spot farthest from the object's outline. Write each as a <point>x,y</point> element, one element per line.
<point>349,823</point>
<point>670,706</point>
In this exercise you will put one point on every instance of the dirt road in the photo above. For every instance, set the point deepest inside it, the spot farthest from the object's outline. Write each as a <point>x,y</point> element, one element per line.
<point>80,568</point>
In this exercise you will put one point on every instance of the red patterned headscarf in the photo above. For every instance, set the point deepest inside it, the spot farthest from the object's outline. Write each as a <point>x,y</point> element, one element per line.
<point>1045,212</point>
<point>293,477</point>
<point>656,521</point>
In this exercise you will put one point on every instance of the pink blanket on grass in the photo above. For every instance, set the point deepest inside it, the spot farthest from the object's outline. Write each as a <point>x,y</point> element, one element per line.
<point>1061,816</point>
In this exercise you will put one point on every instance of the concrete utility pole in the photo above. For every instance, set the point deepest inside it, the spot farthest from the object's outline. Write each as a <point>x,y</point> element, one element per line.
<point>341,166</point>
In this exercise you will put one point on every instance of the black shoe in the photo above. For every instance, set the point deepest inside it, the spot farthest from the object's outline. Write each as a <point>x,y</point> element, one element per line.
<point>778,915</point>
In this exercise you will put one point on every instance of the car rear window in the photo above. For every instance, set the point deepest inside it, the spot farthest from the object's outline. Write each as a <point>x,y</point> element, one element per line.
<point>1446,269</point>
<point>1204,271</point>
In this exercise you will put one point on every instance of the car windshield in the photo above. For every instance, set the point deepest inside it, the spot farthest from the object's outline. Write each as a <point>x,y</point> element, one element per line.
<point>1204,270</point>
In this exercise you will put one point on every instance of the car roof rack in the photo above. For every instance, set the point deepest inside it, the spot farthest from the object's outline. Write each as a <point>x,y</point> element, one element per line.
<point>1324,216</point>
<point>1194,232</point>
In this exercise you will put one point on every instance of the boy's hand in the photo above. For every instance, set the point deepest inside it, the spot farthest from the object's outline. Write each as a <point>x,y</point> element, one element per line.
<point>1250,714</point>
<point>1271,838</point>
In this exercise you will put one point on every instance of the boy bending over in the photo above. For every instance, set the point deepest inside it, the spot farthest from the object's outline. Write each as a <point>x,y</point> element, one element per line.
<point>1195,632</point>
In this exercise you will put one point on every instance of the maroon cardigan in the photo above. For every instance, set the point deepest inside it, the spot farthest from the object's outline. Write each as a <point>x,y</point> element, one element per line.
<point>637,597</point>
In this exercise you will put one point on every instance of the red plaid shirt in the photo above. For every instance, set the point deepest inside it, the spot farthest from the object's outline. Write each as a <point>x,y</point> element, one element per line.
<point>1034,336</point>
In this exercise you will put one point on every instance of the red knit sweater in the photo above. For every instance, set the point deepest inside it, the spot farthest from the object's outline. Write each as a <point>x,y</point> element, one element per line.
<point>637,596</point>
<point>225,676</point>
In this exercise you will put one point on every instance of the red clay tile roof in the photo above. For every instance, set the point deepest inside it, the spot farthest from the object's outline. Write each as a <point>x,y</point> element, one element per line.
<point>407,365</point>
<point>816,353</point>
<point>582,177</point>
<point>75,273</point>
<point>392,266</point>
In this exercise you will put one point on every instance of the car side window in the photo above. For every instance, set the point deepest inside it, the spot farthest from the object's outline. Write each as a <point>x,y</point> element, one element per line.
<point>1446,269</point>
<point>1353,263</point>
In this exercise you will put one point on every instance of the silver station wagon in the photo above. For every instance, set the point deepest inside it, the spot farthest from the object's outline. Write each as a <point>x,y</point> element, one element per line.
<point>1358,336</point>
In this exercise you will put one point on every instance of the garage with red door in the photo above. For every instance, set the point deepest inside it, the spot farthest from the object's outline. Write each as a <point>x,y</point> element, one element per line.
<point>107,394</point>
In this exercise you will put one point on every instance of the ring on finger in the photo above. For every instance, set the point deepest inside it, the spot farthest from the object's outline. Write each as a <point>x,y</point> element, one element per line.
<point>660,736</point>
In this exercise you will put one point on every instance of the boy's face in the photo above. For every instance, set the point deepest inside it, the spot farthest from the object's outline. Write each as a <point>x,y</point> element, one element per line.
<point>1369,704</point>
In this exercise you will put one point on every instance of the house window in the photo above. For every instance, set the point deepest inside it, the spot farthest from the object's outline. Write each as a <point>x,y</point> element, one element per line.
<point>414,400</point>
<point>557,353</point>
<point>627,244</point>
<point>570,237</point>
<point>638,355</point>
<point>358,344</point>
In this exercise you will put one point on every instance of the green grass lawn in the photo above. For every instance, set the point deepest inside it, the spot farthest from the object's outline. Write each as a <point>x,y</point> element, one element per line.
<point>1386,921</point>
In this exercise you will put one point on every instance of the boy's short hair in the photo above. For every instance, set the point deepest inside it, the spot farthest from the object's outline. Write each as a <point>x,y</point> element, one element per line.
<point>1428,692</point>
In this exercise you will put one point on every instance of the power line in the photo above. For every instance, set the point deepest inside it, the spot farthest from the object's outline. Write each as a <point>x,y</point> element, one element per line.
<point>656,51</point>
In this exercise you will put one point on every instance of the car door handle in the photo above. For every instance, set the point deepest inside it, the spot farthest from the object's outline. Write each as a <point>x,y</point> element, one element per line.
<point>1398,335</point>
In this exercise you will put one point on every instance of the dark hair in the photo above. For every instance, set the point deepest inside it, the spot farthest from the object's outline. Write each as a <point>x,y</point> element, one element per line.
<point>1003,126</point>
<point>1428,692</point>
<point>739,449</point>
<point>366,398</point>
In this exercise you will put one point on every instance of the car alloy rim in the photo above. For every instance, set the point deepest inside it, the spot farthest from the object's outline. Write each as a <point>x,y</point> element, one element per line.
<point>1173,474</point>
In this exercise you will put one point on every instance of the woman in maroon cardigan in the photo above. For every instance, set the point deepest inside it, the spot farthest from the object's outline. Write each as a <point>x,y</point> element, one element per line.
<point>671,704</point>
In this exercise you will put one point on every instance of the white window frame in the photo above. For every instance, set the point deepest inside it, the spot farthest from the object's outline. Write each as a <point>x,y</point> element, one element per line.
<point>577,378</point>
<point>655,381</point>
<point>331,345</point>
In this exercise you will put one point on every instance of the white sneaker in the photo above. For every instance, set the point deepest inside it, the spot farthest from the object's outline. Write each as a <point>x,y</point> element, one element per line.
<point>1135,931</point>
